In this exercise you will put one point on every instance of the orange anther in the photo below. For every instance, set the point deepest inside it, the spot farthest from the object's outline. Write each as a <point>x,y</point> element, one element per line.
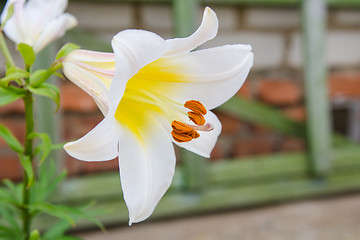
<point>180,127</point>
<point>197,118</point>
<point>181,137</point>
<point>195,134</point>
<point>196,107</point>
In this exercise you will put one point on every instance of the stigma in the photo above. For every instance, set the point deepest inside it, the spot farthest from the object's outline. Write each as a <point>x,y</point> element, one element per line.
<point>183,132</point>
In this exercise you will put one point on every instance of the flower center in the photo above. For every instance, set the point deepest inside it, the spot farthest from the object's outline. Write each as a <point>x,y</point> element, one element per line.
<point>182,132</point>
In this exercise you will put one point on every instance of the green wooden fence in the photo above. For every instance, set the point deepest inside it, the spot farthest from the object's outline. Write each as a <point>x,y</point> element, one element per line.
<point>330,166</point>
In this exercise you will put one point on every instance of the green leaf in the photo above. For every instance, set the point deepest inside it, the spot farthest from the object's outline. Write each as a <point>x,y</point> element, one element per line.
<point>26,163</point>
<point>10,139</point>
<point>45,146</point>
<point>57,230</point>
<point>66,49</point>
<point>27,53</point>
<point>14,73</point>
<point>9,14</point>
<point>38,77</point>
<point>49,91</point>
<point>54,210</point>
<point>7,96</point>
<point>10,218</point>
<point>14,189</point>
<point>34,235</point>
<point>7,198</point>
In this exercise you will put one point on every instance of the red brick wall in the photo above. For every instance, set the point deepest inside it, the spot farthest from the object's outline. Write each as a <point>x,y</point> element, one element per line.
<point>276,78</point>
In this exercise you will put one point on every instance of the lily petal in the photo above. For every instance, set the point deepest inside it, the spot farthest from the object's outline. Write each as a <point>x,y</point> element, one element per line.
<point>40,12</point>
<point>147,167</point>
<point>100,144</point>
<point>129,60</point>
<point>15,26</point>
<point>207,31</point>
<point>88,82</point>
<point>55,29</point>
<point>207,140</point>
<point>213,75</point>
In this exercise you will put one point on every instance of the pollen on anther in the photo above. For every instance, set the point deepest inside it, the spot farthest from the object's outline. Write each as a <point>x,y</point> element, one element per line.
<point>196,107</point>
<point>197,118</point>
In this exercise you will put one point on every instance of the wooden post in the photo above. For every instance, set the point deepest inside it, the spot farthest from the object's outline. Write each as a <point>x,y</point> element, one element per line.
<point>184,17</point>
<point>317,104</point>
<point>185,23</point>
<point>47,120</point>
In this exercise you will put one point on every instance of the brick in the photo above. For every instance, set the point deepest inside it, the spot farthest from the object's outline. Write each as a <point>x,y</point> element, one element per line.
<point>279,92</point>
<point>10,166</point>
<point>344,85</point>
<point>16,126</point>
<point>245,90</point>
<point>217,153</point>
<point>347,17</point>
<point>230,124</point>
<point>252,146</point>
<point>341,50</point>
<point>76,126</point>
<point>272,18</point>
<point>156,17</point>
<point>289,144</point>
<point>105,166</point>
<point>268,47</point>
<point>14,107</point>
<point>102,16</point>
<point>296,113</point>
<point>72,98</point>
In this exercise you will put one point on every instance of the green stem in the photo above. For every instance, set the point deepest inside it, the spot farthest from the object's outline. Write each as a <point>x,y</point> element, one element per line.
<point>4,48</point>
<point>29,117</point>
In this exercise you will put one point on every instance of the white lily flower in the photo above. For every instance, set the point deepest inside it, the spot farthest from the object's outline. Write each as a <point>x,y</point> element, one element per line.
<point>160,93</point>
<point>37,22</point>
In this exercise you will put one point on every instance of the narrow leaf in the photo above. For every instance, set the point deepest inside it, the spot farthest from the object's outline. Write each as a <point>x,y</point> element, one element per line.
<point>10,139</point>
<point>27,53</point>
<point>7,96</point>
<point>26,163</point>
<point>49,91</point>
<point>10,218</point>
<point>66,49</point>
<point>45,146</point>
<point>54,210</point>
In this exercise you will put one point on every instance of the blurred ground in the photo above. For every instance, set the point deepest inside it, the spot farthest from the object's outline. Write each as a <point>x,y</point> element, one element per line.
<point>336,218</point>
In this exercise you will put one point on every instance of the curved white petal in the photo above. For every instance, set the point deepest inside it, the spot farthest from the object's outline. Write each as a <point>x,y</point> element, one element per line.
<point>15,27</point>
<point>40,12</point>
<point>133,50</point>
<point>91,56</point>
<point>211,76</point>
<point>146,170</point>
<point>207,31</point>
<point>88,82</point>
<point>54,29</point>
<point>100,144</point>
<point>207,140</point>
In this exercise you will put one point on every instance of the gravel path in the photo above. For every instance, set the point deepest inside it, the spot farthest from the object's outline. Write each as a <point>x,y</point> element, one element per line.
<point>325,219</point>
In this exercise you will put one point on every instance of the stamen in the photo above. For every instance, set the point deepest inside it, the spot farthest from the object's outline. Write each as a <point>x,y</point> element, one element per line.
<point>205,128</point>
<point>196,107</point>
<point>181,127</point>
<point>197,118</point>
<point>179,137</point>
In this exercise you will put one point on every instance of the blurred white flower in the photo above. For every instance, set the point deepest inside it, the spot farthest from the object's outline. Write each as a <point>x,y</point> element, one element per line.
<point>160,93</point>
<point>37,22</point>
